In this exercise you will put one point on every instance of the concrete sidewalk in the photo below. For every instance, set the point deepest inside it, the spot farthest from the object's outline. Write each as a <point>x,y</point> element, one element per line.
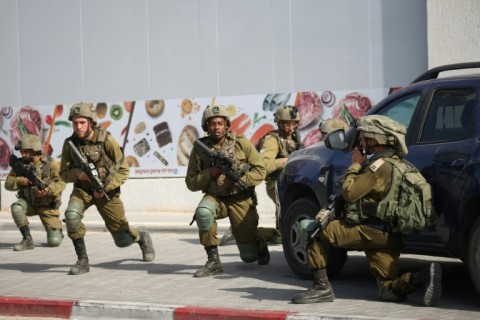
<point>35,283</point>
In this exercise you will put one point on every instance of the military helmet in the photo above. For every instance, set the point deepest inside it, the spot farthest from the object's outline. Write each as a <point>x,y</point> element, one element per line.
<point>331,124</point>
<point>212,112</point>
<point>287,112</point>
<point>385,130</point>
<point>29,141</point>
<point>83,109</point>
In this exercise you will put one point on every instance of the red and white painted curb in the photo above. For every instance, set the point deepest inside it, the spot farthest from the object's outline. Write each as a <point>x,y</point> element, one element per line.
<point>71,309</point>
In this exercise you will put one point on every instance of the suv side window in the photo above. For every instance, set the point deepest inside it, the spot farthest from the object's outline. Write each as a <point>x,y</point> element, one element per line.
<point>401,110</point>
<point>450,116</point>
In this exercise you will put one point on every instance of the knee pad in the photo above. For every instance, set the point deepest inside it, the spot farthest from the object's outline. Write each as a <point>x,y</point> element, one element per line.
<point>122,239</point>
<point>54,237</point>
<point>248,252</point>
<point>73,216</point>
<point>307,226</point>
<point>205,215</point>
<point>19,209</point>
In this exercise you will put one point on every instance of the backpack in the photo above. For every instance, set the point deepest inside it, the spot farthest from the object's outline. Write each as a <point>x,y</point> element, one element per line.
<point>408,206</point>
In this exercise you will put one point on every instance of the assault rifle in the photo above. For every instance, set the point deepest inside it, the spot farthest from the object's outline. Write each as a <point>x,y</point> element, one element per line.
<point>80,160</point>
<point>26,170</point>
<point>325,215</point>
<point>224,163</point>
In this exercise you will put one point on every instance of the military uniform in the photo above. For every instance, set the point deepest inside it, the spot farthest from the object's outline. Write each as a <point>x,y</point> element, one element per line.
<point>103,153</point>
<point>364,187</point>
<point>382,248</point>
<point>238,206</point>
<point>113,210</point>
<point>273,153</point>
<point>222,199</point>
<point>29,204</point>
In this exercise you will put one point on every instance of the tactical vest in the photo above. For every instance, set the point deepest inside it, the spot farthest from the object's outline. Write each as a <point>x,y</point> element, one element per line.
<point>43,168</point>
<point>406,207</point>
<point>238,158</point>
<point>286,147</point>
<point>94,151</point>
<point>360,211</point>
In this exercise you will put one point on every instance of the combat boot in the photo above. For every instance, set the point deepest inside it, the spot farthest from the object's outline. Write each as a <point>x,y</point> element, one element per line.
<point>387,294</point>
<point>27,241</point>
<point>213,266</point>
<point>321,291</point>
<point>146,245</point>
<point>82,263</point>
<point>263,253</point>
<point>430,278</point>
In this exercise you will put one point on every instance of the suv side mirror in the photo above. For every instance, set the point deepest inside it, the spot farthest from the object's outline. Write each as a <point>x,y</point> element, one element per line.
<point>335,140</point>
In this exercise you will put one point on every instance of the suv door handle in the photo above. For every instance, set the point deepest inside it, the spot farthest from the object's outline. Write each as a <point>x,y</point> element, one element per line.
<point>458,163</point>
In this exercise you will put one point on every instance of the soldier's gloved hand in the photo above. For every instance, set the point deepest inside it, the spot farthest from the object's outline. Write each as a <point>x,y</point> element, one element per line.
<point>324,216</point>
<point>23,181</point>
<point>215,172</point>
<point>97,194</point>
<point>82,176</point>
<point>42,193</point>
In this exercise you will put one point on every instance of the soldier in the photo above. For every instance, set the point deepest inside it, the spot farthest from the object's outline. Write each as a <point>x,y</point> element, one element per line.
<point>105,155</point>
<point>331,124</point>
<point>367,183</point>
<point>33,200</point>
<point>224,198</point>
<point>275,148</point>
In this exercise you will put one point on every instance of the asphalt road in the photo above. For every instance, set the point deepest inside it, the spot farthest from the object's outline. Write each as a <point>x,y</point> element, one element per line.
<point>118,274</point>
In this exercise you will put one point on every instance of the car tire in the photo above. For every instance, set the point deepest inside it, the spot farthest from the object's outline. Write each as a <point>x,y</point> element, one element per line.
<point>473,260</point>
<point>295,250</point>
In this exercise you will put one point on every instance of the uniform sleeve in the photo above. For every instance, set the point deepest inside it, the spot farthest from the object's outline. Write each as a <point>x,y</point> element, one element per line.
<point>269,153</point>
<point>197,178</point>
<point>357,185</point>
<point>56,185</point>
<point>114,152</point>
<point>256,174</point>
<point>68,171</point>
<point>11,182</point>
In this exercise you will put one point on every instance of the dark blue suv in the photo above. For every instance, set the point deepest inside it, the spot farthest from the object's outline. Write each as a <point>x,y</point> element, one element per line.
<point>443,134</point>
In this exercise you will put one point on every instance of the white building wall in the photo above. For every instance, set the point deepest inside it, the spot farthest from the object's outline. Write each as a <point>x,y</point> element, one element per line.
<point>453,36</point>
<point>453,31</point>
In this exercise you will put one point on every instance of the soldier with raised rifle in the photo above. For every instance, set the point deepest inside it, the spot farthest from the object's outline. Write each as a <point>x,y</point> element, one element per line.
<point>36,178</point>
<point>228,183</point>
<point>94,162</point>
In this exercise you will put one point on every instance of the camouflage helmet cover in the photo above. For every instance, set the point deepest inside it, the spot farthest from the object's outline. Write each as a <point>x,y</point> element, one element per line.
<point>29,141</point>
<point>83,109</point>
<point>385,130</point>
<point>212,112</point>
<point>287,112</point>
<point>331,124</point>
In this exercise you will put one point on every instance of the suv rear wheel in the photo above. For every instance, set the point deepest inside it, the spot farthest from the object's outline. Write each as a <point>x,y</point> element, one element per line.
<point>294,247</point>
<point>473,261</point>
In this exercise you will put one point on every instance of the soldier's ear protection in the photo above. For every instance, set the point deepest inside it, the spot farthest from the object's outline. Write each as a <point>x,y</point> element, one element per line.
<point>18,146</point>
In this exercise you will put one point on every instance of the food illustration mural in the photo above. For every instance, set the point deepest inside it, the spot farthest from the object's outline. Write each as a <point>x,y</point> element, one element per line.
<point>351,107</point>
<point>101,109</point>
<point>116,112</point>
<point>185,144</point>
<point>310,108</point>
<point>7,112</point>
<point>159,134</point>
<point>141,147</point>
<point>163,135</point>
<point>4,154</point>
<point>154,107</point>
<point>26,120</point>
